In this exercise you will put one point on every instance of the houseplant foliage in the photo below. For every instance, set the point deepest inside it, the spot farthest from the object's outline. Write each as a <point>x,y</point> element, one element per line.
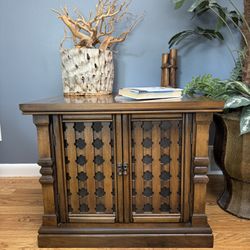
<point>233,91</point>
<point>235,94</point>
<point>231,151</point>
<point>221,17</point>
<point>88,67</point>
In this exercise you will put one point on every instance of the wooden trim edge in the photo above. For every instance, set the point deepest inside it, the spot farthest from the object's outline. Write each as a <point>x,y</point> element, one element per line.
<point>125,240</point>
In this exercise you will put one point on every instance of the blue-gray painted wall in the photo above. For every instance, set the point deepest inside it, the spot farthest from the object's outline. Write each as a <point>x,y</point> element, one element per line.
<point>30,64</point>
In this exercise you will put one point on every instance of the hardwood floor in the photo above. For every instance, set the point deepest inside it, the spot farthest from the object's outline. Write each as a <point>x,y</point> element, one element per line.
<point>21,209</point>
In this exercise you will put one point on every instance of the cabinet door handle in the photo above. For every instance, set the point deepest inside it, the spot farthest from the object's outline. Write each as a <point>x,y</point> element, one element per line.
<point>119,169</point>
<point>125,169</point>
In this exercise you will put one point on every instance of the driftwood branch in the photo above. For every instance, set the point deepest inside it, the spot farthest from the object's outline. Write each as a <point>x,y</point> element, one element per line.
<point>98,28</point>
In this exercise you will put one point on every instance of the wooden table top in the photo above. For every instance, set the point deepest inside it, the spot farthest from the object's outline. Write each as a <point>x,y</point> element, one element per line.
<point>117,104</point>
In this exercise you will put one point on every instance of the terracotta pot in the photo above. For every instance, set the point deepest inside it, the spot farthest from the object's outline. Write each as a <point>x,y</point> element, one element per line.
<point>87,71</point>
<point>232,154</point>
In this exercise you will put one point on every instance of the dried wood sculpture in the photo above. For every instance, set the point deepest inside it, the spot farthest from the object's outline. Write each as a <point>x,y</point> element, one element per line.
<point>99,29</point>
<point>88,68</point>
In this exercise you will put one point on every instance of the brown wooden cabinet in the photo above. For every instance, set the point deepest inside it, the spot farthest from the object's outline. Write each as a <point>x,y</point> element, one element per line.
<point>123,174</point>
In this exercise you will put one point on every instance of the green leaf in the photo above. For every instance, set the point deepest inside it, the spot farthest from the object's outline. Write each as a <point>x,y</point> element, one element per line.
<point>219,36</point>
<point>209,33</point>
<point>178,3</point>
<point>237,72</point>
<point>236,17</point>
<point>202,11</point>
<point>206,85</point>
<point>245,121</point>
<point>197,4</point>
<point>176,39</point>
<point>237,102</point>
<point>222,19</point>
<point>240,87</point>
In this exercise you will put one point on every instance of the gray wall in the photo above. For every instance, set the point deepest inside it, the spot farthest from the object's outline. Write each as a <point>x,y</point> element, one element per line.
<point>30,64</point>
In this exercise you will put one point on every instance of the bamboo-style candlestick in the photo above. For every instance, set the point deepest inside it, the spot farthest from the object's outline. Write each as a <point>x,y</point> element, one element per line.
<point>173,67</point>
<point>165,71</point>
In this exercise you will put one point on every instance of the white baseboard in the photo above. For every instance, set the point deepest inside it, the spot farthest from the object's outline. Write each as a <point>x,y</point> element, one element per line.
<point>19,170</point>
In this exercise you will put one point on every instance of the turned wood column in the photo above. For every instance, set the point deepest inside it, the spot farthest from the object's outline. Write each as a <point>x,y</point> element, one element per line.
<point>200,167</point>
<point>46,163</point>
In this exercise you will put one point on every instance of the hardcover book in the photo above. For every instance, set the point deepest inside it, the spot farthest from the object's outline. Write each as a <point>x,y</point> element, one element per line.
<point>145,93</point>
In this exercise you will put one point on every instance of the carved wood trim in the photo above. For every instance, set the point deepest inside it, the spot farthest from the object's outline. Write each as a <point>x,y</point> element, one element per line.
<point>45,161</point>
<point>200,167</point>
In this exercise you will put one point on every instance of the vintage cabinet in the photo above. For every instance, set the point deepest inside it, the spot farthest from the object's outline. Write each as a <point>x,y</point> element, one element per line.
<point>123,174</point>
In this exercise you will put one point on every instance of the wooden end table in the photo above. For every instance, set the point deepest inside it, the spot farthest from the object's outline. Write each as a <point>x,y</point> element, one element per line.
<point>123,173</point>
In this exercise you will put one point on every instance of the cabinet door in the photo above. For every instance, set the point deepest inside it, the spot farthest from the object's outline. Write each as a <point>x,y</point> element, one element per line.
<point>89,168</point>
<point>156,167</point>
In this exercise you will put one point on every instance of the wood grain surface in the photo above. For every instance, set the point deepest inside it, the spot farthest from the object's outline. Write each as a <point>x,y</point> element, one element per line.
<point>108,103</point>
<point>21,214</point>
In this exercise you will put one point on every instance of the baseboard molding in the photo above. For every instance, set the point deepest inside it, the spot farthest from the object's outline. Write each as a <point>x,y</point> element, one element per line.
<point>19,170</point>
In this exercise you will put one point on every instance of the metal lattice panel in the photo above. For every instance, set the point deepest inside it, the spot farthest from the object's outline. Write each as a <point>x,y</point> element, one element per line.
<point>89,160</point>
<point>156,166</point>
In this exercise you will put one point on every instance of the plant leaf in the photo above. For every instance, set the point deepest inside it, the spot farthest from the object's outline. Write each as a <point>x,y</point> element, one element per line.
<point>197,4</point>
<point>245,121</point>
<point>236,17</point>
<point>239,87</point>
<point>237,102</point>
<point>222,19</point>
<point>206,85</point>
<point>178,3</point>
<point>237,72</point>
<point>176,39</point>
<point>209,33</point>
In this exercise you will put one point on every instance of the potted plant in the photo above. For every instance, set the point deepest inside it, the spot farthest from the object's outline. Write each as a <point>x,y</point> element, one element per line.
<point>232,139</point>
<point>87,69</point>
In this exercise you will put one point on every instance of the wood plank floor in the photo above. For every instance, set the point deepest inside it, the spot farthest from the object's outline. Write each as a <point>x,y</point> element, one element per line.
<point>21,210</point>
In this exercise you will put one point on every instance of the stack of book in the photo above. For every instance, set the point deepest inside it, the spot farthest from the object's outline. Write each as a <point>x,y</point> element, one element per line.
<point>150,93</point>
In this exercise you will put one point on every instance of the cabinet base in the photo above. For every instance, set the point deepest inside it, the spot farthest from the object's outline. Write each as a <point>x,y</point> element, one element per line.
<point>179,237</point>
